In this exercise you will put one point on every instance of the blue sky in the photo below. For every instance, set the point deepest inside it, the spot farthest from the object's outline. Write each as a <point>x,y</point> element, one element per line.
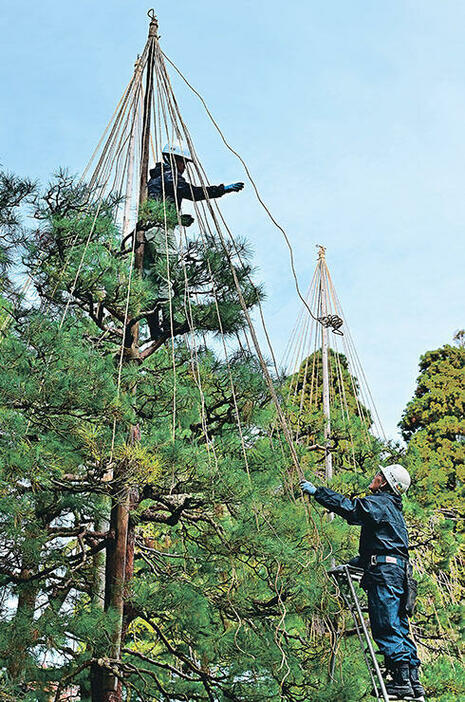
<point>349,114</point>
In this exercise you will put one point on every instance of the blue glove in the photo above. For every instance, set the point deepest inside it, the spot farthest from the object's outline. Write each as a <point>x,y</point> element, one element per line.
<point>234,188</point>
<point>308,487</point>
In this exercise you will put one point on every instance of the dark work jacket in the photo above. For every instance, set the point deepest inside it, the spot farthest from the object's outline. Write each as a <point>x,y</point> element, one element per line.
<point>163,185</point>
<point>384,531</point>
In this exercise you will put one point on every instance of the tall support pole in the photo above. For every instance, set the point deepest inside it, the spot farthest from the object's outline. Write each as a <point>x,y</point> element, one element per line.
<point>131,156</point>
<point>325,362</point>
<point>144,164</point>
<point>103,524</point>
<point>133,496</point>
<point>145,138</point>
<point>120,557</point>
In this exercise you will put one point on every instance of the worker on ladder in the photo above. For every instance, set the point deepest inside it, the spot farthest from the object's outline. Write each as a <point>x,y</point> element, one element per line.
<point>383,555</point>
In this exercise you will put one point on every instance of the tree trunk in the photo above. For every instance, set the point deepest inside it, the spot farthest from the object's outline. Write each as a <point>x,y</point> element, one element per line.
<point>115,576</point>
<point>22,625</point>
<point>129,572</point>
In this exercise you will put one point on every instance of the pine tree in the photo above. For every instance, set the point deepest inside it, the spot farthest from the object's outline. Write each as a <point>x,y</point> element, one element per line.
<point>226,572</point>
<point>227,597</point>
<point>356,451</point>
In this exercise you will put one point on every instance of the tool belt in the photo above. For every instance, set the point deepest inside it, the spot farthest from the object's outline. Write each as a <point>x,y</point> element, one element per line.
<point>374,560</point>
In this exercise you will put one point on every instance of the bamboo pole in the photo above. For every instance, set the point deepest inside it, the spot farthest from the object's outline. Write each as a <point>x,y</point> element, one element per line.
<point>119,566</point>
<point>325,363</point>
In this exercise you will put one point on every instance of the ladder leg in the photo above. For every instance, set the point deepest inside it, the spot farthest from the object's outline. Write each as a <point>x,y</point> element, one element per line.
<point>363,647</point>
<point>350,605</point>
<point>366,636</point>
<point>332,665</point>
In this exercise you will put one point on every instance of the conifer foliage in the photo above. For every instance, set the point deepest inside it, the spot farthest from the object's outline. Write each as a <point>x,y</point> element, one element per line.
<point>226,595</point>
<point>225,574</point>
<point>353,446</point>
<point>433,427</point>
<point>433,424</point>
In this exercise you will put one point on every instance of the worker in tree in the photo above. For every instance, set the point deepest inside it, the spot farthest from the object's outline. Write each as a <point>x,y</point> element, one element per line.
<point>167,181</point>
<point>168,185</point>
<point>383,555</point>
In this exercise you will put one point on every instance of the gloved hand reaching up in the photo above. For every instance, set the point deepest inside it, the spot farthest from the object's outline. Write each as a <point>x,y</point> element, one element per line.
<point>308,487</point>
<point>233,188</point>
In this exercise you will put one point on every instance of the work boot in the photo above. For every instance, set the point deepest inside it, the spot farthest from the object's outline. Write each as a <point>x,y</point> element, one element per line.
<point>417,687</point>
<point>400,687</point>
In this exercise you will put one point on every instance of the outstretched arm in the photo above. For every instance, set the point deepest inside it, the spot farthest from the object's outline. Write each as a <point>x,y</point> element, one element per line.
<point>350,510</point>
<point>199,192</point>
<point>356,511</point>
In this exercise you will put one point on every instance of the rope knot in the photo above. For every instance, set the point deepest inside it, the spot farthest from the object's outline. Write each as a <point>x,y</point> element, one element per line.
<point>332,321</point>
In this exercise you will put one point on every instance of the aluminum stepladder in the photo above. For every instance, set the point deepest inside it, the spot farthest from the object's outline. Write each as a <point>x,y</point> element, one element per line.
<point>344,577</point>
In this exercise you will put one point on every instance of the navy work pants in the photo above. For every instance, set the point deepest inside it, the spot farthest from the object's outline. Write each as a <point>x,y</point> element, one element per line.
<point>385,585</point>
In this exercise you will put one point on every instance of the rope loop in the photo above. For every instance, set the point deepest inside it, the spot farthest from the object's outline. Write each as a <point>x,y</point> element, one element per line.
<point>332,321</point>
<point>153,29</point>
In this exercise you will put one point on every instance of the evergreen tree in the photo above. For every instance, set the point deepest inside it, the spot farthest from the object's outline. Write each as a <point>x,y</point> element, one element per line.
<point>226,573</point>
<point>432,426</point>
<point>355,450</point>
<point>227,596</point>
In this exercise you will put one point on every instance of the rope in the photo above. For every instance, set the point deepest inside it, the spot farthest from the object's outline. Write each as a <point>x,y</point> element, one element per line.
<point>103,168</point>
<point>182,131</point>
<point>305,350</point>
<point>281,416</point>
<point>126,227</point>
<point>194,361</point>
<point>204,225</point>
<point>252,181</point>
<point>158,107</point>
<point>119,148</point>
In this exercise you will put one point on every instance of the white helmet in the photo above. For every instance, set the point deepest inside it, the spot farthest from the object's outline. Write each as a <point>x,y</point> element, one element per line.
<point>177,148</point>
<point>397,477</point>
